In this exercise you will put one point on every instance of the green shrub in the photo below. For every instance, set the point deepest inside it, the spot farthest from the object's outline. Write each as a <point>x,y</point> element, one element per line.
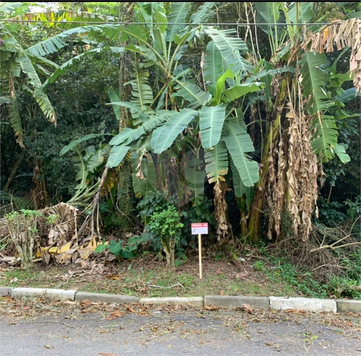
<point>165,226</point>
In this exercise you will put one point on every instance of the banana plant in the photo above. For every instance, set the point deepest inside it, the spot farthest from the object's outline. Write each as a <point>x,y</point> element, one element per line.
<point>183,108</point>
<point>16,61</point>
<point>302,115</point>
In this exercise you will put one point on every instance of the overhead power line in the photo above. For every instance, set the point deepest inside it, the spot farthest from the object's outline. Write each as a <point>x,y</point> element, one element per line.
<point>172,23</point>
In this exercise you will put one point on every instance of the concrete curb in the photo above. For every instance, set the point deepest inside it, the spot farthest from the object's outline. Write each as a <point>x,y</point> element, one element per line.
<point>345,305</point>
<point>307,304</point>
<point>106,298</point>
<point>236,301</point>
<point>60,294</point>
<point>4,291</point>
<point>229,302</point>
<point>189,301</point>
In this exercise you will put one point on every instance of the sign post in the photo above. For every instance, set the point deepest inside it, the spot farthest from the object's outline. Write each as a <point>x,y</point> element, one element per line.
<point>199,229</point>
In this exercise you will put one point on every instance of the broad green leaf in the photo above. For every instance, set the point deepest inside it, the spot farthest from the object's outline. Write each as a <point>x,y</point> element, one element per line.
<point>76,142</point>
<point>193,94</point>
<point>305,15</point>
<point>241,90</point>
<point>239,144</point>
<point>230,47</point>
<point>114,98</point>
<point>164,136</point>
<point>48,46</point>
<point>38,92</point>
<point>134,109</point>
<point>116,155</point>
<point>314,81</point>
<point>156,120</point>
<point>178,14</point>
<point>4,100</point>
<point>347,95</point>
<point>220,89</point>
<point>216,159</point>
<point>141,91</point>
<point>204,12</point>
<point>95,157</point>
<point>15,121</point>
<point>244,195</point>
<point>341,153</point>
<point>269,13</point>
<point>127,135</point>
<point>8,7</point>
<point>324,128</point>
<point>213,66</point>
<point>143,51</point>
<point>324,136</point>
<point>211,119</point>
<point>195,177</point>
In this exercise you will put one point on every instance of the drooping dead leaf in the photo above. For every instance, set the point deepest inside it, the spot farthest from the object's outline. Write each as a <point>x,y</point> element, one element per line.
<point>339,34</point>
<point>220,206</point>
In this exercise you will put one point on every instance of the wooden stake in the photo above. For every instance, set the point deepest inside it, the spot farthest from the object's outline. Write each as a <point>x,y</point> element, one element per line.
<point>200,255</point>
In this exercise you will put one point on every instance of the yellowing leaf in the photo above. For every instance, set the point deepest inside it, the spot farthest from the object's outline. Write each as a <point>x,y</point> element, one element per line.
<point>53,249</point>
<point>65,247</point>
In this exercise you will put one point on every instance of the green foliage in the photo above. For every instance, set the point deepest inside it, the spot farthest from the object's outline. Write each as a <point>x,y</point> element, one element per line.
<point>166,225</point>
<point>201,211</point>
<point>52,219</point>
<point>341,287</point>
<point>259,266</point>
<point>158,202</point>
<point>123,250</point>
<point>25,213</point>
<point>298,277</point>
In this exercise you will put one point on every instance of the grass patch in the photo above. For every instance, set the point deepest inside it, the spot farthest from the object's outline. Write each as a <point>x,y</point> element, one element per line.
<point>263,275</point>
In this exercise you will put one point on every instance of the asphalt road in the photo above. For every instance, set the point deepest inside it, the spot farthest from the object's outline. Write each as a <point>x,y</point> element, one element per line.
<point>160,331</point>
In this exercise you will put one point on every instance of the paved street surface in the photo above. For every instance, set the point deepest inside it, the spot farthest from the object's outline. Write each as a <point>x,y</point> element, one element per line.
<point>91,329</point>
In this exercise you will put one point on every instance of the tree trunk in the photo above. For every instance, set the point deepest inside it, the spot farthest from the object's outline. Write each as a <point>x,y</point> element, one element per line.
<point>14,171</point>
<point>169,249</point>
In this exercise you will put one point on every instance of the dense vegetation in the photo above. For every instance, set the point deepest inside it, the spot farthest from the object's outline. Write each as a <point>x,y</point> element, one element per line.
<point>128,111</point>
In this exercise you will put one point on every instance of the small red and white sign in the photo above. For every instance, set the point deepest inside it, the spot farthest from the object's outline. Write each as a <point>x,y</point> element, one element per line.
<point>199,228</point>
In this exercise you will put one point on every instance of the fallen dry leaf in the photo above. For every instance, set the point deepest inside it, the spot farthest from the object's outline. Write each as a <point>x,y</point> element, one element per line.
<point>241,275</point>
<point>114,315</point>
<point>210,307</point>
<point>247,308</point>
<point>130,309</point>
